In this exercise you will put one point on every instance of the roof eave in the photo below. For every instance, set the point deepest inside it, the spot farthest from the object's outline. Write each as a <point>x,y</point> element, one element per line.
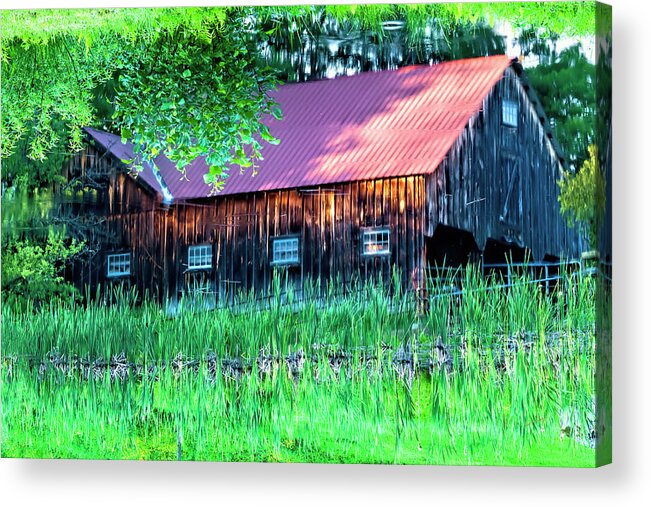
<point>167,199</point>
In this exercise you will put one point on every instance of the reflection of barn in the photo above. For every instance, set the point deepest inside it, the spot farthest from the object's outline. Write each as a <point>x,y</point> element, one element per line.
<point>374,171</point>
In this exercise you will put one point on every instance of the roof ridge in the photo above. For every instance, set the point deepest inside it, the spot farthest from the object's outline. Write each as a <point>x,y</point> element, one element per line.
<point>397,69</point>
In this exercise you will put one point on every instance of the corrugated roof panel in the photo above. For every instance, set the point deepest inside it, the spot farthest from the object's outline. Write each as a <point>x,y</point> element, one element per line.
<point>113,144</point>
<point>367,126</point>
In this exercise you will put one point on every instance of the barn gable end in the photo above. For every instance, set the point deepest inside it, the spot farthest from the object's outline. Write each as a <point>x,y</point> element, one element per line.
<point>499,181</point>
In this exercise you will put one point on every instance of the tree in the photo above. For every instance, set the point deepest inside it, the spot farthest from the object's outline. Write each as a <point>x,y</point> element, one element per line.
<point>189,95</point>
<point>583,197</point>
<point>566,88</point>
<point>187,84</point>
<point>21,171</point>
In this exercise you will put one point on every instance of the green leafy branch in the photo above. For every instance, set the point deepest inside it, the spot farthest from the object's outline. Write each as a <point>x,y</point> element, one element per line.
<point>187,97</point>
<point>583,197</point>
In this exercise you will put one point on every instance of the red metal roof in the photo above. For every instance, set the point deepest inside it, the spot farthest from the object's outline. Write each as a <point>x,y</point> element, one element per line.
<point>367,126</point>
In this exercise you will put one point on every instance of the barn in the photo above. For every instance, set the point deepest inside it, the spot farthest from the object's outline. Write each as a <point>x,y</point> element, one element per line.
<point>377,171</point>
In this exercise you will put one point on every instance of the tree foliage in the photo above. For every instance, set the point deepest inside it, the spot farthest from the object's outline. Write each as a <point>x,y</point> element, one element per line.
<point>566,87</point>
<point>54,59</point>
<point>186,89</point>
<point>569,18</point>
<point>189,95</point>
<point>20,171</point>
<point>583,197</point>
<point>45,84</point>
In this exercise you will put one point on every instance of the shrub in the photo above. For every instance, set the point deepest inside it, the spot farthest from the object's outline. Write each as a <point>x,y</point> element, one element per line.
<point>34,271</point>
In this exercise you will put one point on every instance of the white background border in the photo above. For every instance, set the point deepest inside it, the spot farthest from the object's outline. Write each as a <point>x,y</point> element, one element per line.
<point>626,482</point>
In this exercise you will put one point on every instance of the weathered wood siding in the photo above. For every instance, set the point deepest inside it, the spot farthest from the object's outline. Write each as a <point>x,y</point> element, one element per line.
<point>132,215</point>
<point>499,182</point>
<point>328,221</point>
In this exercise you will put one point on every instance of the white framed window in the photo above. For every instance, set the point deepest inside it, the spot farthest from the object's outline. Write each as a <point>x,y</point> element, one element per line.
<point>285,251</point>
<point>376,241</point>
<point>509,113</point>
<point>118,264</point>
<point>200,257</point>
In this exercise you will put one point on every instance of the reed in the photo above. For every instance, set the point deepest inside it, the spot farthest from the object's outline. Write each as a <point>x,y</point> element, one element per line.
<point>497,375</point>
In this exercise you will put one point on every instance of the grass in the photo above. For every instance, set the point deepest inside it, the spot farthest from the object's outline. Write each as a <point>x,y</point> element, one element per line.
<point>500,376</point>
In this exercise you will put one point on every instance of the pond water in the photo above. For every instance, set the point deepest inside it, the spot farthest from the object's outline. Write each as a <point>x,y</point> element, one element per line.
<point>339,50</point>
<point>38,213</point>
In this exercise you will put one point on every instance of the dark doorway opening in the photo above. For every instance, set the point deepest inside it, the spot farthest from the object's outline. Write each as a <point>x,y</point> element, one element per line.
<point>498,252</point>
<point>447,251</point>
<point>451,247</point>
<point>509,262</point>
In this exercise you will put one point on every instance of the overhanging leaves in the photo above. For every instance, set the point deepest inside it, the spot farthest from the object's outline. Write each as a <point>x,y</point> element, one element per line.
<point>188,96</point>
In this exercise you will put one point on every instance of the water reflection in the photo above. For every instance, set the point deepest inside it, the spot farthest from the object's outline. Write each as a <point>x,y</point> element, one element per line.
<point>334,49</point>
<point>36,214</point>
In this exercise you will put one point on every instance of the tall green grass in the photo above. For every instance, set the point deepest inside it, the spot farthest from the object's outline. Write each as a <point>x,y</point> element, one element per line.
<point>514,383</point>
